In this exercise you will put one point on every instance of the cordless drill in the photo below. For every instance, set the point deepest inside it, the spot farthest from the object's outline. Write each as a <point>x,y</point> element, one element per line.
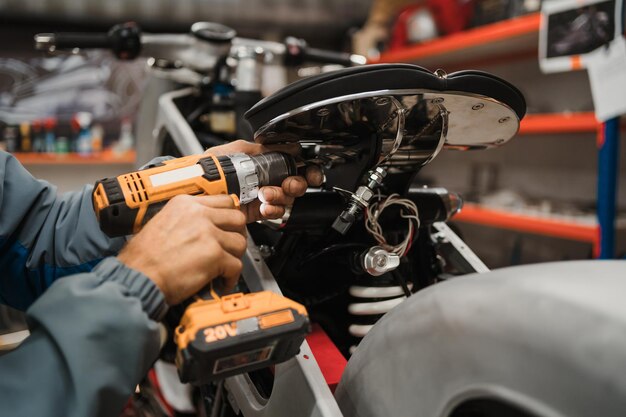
<point>125,203</point>
<point>220,336</point>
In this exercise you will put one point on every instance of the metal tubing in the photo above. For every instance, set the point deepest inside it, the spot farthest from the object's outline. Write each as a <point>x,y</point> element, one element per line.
<point>608,165</point>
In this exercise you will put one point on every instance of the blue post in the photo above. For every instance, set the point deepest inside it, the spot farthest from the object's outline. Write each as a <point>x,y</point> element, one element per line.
<point>608,170</point>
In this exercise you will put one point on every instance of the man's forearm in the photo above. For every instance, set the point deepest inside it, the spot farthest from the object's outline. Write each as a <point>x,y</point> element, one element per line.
<point>93,337</point>
<point>43,237</point>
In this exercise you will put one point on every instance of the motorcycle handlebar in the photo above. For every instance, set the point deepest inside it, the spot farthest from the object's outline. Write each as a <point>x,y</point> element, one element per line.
<point>55,41</point>
<point>331,57</point>
<point>297,52</point>
<point>126,42</point>
<point>123,40</point>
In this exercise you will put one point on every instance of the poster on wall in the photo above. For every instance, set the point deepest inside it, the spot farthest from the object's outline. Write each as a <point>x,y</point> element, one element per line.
<point>587,34</point>
<point>607,76</point>
<point>571,30</point>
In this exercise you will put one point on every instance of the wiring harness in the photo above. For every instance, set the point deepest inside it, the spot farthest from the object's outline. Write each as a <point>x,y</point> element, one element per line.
<point>408,211</point>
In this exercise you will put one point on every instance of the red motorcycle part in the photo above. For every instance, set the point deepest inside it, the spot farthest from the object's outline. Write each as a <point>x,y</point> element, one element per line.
<point>450,16</point>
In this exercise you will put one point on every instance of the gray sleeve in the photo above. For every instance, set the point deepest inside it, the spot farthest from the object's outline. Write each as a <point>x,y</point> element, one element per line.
<point>44,237</point>
<point>93,337</point>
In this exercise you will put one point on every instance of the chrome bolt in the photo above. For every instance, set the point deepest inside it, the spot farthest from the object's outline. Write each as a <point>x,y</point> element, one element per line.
<point>266,251</point>
<point>441,73</point>
<point>376,261</point>
<point>380,260</point>
<point>364,193</point>
<point>478,106</point>
<point>437,100</point>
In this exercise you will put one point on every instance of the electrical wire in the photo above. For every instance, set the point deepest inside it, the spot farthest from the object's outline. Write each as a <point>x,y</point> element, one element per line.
<point>409,211</point>
<point>400,279</point>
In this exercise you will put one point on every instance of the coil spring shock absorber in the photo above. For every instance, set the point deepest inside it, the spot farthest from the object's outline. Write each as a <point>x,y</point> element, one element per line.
<point>376,293</point>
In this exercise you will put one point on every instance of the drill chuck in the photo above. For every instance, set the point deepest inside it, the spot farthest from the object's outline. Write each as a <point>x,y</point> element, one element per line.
<point>125,203</point>
<point>258,171</point>
<point>273,167</point>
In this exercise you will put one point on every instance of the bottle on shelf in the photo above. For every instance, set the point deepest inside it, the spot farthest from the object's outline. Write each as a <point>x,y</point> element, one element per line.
<point>10,139</point>
<point>126,140</point>
<point>26,144</point>
<point>73,139</point>
<point>83,142</point>
<point>62,145</point>
<point>38,136</point>
<point>97,138</point>
<point>50,137</point>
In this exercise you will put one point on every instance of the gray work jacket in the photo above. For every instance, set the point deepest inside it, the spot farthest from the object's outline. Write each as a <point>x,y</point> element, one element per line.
<point>93,321</point>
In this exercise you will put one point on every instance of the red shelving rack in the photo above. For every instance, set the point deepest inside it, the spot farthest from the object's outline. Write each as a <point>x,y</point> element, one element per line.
<point>559,123</point>
<point>546,226</point>
<point>510,39</point>
<point>104,158</point>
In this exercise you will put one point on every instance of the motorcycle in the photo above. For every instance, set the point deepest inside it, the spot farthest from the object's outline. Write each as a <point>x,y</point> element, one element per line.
<point>425,327</point>
<point>200,83</point>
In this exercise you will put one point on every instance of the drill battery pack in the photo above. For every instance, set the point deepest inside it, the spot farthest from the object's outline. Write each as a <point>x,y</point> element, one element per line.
<point>238,333</point>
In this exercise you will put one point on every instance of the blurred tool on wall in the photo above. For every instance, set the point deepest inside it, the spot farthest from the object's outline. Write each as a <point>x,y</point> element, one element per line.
<point>371,39</point>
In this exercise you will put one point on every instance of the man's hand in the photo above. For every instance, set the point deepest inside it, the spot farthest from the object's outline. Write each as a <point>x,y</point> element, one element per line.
<point>191,241</point>
<point>272,200</point>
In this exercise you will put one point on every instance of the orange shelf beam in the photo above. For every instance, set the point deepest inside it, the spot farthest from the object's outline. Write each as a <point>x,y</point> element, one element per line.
<point>472,38</point>
<point>559,123</point>
<point>104,158</point>
<point>472,213</point>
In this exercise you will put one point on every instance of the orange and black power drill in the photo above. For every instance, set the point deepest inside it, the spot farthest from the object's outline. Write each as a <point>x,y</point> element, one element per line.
<point>125,203</point>
<point>222,336</point>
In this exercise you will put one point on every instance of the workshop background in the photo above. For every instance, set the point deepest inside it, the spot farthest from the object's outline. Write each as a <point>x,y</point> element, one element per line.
<point>69,118</point>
